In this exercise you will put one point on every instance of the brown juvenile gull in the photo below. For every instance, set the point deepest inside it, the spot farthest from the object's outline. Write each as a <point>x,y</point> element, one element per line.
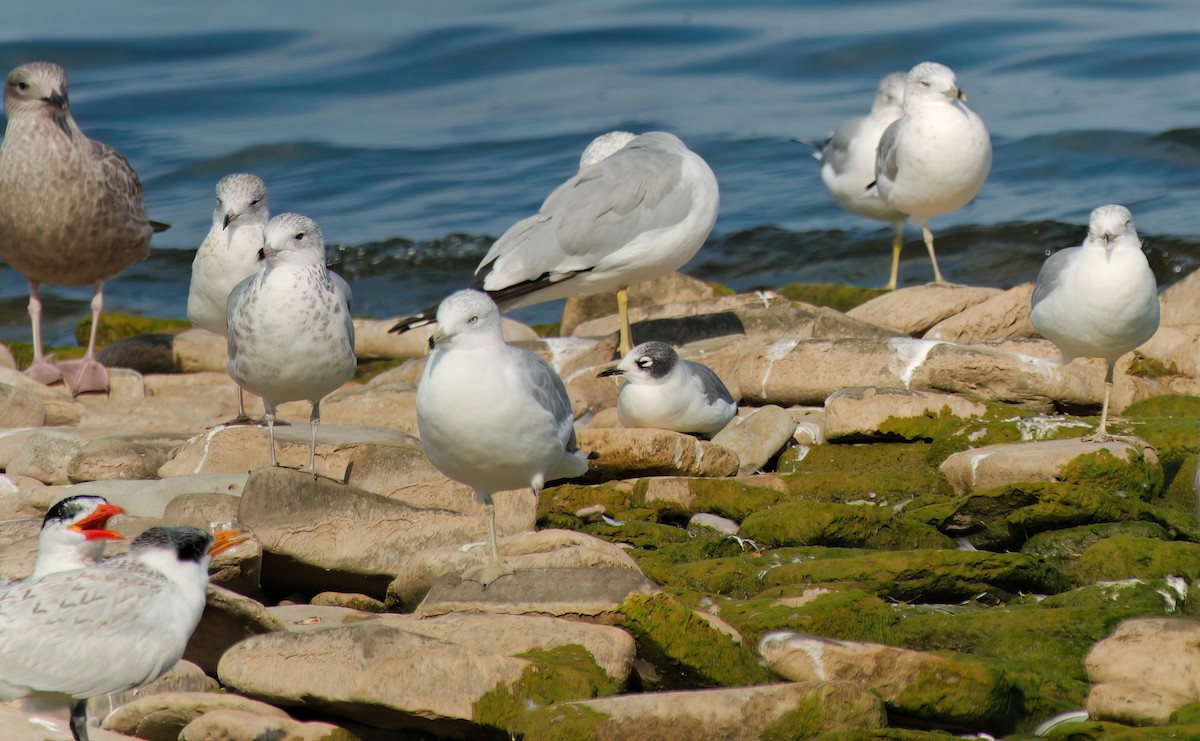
<point>640,207</point>
<point>291,336</point>
<point>228,254</point>
<point>71,210</point>
<point>492,416</point>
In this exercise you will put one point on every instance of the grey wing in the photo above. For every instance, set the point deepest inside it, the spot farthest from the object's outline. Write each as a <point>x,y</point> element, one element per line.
<point>70,632</point>
<point>346,296</point>
<point>885,156</point>
<point>550,393</point>
<point>710,382</point>
<point>1051,272</point>
<point>595,213</point>
<point>121,183</point>
<point>838,146</point>
<point>233,309</point>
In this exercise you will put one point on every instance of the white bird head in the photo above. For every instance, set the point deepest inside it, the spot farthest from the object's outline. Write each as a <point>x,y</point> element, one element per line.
<point>604,146</point>
<point>241,198</point>
<point>649,362</point>
<point>467,315</point>
<point>890,93</point>
<point>292,239</point>
<point>74,533</point>
<point>36,87</point>
<point>1112,227</point>
<point>931,81</point>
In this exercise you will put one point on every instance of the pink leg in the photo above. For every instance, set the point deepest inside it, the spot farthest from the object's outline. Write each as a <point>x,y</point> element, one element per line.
<point>88,374</point>
<point>41,370</point>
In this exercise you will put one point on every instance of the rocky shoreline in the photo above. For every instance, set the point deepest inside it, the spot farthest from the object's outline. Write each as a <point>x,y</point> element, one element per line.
<point>901,536</point>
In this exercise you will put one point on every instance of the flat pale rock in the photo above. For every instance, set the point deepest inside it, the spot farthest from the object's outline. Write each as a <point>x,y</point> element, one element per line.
<point>1175,347</point>
<point>899,676</point>
<point>161,717</point>
<point>857,413</point>
<point>61,408</point>
<point>321,535</point>
<point>242,448</point>
<point>46,456</point>
<point>544,549</point>
<point>668,289</point>
<point>238,725</point>
<point>183,677</point>
<point>810,425</point>
<point>914,310</point>
<point>1180,302</point>
<point>6,357</point>
<point>757,437</point>
<point>592,593</point>
<point>300,618</point>
<point>16,725</point>
<point>150,498</point>
<point>728,307</point>
<point>1041,460</point>
<point>1001,317</point>
<point>199,350</point>
<point>205,507</point>
<point>622,453</point>
<point>736,713</point>
<point>118,458</point>
<point>372,673</point>
<point>228,618</point>
<point>1145,670</point>
<point>20,408</point>
<point>392,405</point>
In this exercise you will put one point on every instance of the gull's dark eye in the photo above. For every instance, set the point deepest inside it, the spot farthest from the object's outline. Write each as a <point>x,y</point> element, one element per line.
<point>645,362</point>
<point>22,86</point>
<point>473,320</point>
<point>299,236</point>
<point>256,201</point>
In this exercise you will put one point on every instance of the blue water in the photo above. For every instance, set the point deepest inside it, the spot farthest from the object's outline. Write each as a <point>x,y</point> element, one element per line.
<point>415,132</point>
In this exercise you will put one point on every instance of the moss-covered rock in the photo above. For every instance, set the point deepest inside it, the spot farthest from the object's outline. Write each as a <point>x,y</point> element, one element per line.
<point>847,615</point>
<point>556,675</point>
<point>683,497</point>
<point>685,649</point>
<point>115,327</point>
<point>892,472</point>
<point>834,295</point>
<point>1062,547</point>
<point>839,525</point>
<point>885,734</point>
<point>947,434</point>
<point>1140,476</point>
<point>1133,595</point>
<point>1092,730</point>
<point>570,498</point>
<point>1132,557</point>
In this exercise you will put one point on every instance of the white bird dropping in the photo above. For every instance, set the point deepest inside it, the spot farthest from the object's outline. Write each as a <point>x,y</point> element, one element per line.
<point>1100,299</point>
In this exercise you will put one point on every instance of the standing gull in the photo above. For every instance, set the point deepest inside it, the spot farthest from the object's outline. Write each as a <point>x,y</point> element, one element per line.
<point>77,634</point>
<point>934,158</point>
<point>228,254</point>
<point>71,210</point>
<point>848,163</point>
<point>1100,299</point>
<point>665,391</point>
<point>640,207</point>
<point>291,335</point>
<point>492,416</point>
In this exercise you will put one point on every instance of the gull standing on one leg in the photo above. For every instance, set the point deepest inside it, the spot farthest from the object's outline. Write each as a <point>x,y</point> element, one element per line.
<point>291,335</point>
<point>934,158</point>
<point>492,416</point>
<point>848,163</point>
<point>1100,299</point>
<point>71,210</point>
<point>640,207</point>
<point>228,254</point>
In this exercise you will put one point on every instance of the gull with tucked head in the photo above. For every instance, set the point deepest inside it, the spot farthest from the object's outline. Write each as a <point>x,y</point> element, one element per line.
<point>665,391</point>
<point>1100,299</point>
<point>492,416</point>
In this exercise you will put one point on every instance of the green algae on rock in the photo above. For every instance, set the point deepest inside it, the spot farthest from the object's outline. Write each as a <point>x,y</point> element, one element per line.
<point>839,525</point>
<point>848,615</point>
<point>115,327</point>
<point>1131,557</point>
<point>1062,547</point>
<point>837,296</point>
<point>855,472</point>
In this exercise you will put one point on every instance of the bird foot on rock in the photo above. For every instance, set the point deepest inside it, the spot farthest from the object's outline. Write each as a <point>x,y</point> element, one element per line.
<point>245,420</point>
<point>84,375</point>
<point>486,573</point>
<point>44,372</point>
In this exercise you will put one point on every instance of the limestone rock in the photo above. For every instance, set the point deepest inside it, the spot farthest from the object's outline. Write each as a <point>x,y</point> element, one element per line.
<point>161,717</point>
<point>1146,670</point>
<point>207,507</point>
<point>810,425</point>
<point>858,412</point>
<point>359,602</point>
<point>544,549</point>
<point>1180,302</point>
<point>150,498</point>
<point>199,350</point>
<point>1040,460</point>
<point>914,310</point>
<point>61,408</point>
<point>239,725</point>
<point>622,453</point>
<point>228,618</point>
<point>6,357</point>
<point>46,456</point>
<point>738,713</point>
<point>757,437</point>
<point>16,725</point>
<point>20,408</point>
<point>669,289</point>
<point>374,673</point>
<point>242,448</point>
<point>117,458</point>
<point>912,683</point>
<point>392,405</point>
<point>594,592</point>
<point>1002,316</point>
<point>320,535</point>
<point>183,677</point>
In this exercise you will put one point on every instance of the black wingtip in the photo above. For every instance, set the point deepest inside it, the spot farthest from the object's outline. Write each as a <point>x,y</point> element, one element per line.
<point>428,315</point>
<point>158,226</point>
